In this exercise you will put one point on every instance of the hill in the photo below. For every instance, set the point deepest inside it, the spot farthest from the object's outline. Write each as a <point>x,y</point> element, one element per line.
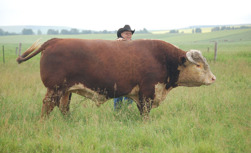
<point>43,29</point>
<point>204,28</point>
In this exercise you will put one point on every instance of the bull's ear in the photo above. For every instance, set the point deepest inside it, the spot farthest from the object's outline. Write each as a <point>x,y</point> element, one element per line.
<point>193,55</point>
<point>182,60</point>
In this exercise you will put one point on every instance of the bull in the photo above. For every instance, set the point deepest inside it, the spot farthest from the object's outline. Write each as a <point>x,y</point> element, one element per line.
<point>144,70</point>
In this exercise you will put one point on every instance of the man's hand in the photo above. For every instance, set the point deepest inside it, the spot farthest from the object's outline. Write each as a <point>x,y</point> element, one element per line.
<point>121,39</point>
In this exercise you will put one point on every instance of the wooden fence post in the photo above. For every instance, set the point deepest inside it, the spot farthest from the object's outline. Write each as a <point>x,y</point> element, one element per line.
<point>20,45</point>
<point>215,51</point>
<point>3,55</point>
<point>16,50</point>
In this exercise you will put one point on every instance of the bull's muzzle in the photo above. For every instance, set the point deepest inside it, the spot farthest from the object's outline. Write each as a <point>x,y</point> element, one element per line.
<point>211,80</point>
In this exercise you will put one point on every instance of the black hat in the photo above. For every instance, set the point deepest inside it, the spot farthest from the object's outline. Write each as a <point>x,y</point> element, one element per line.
<point>126,28</point>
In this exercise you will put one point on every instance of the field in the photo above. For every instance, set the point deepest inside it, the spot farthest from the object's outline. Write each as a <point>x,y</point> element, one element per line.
<point>206,119</point>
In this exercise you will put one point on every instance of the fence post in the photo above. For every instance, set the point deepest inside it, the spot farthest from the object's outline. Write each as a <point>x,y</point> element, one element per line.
<point>215,51</point>
<point>3,55</point>
<point>16,50</point>
<point>20,45</point>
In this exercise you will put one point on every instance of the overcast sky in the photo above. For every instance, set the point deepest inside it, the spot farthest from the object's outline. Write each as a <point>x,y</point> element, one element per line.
<point>113,14</point>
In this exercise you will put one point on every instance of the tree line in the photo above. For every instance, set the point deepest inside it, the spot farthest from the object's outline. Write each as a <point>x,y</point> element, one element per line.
<point>2,33</point>
<point>72,31</point>
<point>219,28</point>
<point>196,30</point>
<point>229,28</point>
<point>75,31</point>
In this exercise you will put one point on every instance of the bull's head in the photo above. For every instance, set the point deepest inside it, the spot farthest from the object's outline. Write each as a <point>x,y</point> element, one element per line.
<point>195,70</point>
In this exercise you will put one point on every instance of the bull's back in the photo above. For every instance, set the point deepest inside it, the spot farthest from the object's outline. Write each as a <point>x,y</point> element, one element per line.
<point>99,62</point>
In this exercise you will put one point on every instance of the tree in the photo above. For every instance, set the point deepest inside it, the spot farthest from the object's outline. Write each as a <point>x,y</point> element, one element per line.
<point>52,32</point>
<point>215,29</point>
<point>105,32</point>
<point>39,32</point>
<point>225,28</point>
<point>174,31</point>
<point>86,32</point>
<point>27,32</point>
<point>1,32</point>
<point>143,31</point>
<point>74,31</point>
<point>64,32</point>
<point>245,27</point>
<point>198,30</point>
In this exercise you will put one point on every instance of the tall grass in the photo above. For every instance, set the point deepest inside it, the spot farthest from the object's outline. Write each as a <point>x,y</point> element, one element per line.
<point>209,119</point>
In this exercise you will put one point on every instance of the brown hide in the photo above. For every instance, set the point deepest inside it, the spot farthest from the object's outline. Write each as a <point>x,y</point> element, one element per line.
<point>112,68</point>
<point>146,70</point>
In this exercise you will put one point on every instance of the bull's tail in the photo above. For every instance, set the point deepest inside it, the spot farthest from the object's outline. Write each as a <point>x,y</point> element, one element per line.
<point>25,57</point>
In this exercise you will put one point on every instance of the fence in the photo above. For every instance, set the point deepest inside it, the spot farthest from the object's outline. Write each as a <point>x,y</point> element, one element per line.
<point>17,48</point>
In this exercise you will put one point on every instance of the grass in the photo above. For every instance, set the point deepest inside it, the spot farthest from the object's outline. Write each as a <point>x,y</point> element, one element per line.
<point>205,119</point>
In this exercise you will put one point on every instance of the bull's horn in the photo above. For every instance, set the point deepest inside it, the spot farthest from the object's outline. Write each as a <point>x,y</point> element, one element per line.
<point>190,55</point>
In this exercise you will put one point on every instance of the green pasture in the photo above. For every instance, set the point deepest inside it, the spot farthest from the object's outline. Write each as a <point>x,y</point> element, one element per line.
<point>206,119</point>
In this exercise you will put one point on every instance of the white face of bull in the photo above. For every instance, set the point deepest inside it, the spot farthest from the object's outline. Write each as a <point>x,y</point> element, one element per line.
<point>195,71</point>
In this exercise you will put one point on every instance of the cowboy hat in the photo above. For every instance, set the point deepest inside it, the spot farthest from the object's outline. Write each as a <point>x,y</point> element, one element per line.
<point>126,28</point>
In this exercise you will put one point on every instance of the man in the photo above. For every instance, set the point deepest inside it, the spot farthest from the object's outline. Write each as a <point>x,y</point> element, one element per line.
<point>124,34</point>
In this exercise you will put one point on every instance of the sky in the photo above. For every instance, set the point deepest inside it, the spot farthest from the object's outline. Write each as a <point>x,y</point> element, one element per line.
<point>114,14</point>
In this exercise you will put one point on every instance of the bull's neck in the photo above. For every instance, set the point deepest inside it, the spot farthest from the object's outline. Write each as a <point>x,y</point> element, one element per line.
<point>173,60</point>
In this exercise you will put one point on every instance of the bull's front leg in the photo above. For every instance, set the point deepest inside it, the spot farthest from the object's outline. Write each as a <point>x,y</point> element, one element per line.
<point>146,96</point>
<point>145,107</point>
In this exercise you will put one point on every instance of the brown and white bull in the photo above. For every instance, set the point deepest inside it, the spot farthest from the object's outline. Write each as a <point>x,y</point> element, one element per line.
<point>144,70</point>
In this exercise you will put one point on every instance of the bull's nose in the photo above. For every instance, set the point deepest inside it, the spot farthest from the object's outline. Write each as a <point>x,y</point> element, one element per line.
<point>213,78</point>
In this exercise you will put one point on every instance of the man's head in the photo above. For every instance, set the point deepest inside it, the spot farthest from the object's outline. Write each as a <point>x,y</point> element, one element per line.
<point>127,35</point>
<point>125,32</point>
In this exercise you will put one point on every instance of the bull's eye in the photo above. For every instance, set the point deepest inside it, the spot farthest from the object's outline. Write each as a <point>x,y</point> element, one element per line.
<point>198,65</point>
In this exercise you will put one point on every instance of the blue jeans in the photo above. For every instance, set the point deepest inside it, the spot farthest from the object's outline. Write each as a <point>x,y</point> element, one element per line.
<point>118,102</point>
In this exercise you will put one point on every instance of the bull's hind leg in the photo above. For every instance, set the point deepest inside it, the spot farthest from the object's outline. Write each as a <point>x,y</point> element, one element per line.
<point>64,105</point>
<point>50,100</point>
